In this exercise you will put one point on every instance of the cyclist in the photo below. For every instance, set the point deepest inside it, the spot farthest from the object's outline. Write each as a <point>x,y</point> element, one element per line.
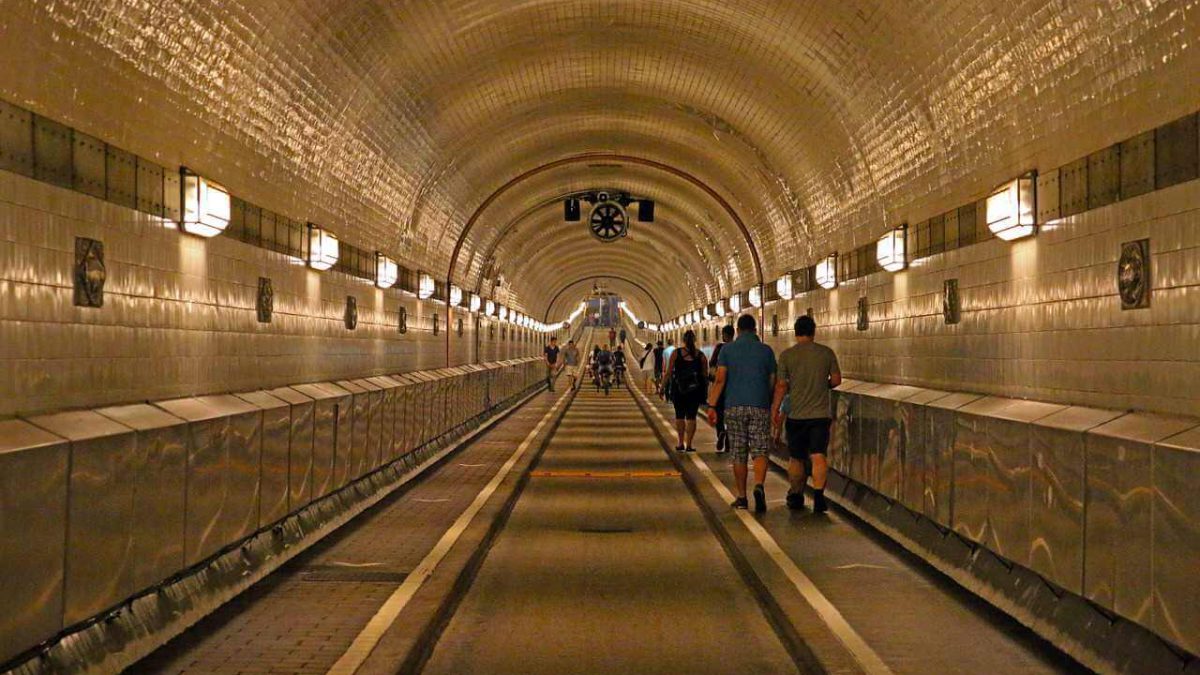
<point>619,364</point>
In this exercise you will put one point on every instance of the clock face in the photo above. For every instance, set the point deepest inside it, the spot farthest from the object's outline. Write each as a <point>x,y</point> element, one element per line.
<point>608,221</point>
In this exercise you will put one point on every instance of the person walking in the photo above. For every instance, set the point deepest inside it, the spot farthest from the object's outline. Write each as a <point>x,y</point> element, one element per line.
<point>571,362</point>
<point>687,371</point>
<point>726,338</point>
<point>808,372</point>
<point>646,363</point>
<point>746,376</point>
<point>551,353</point>
<point>658,368</point>
<point>666,384</point>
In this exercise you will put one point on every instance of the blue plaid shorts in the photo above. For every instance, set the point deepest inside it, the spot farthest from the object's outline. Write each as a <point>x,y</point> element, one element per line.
<point>748,432</point>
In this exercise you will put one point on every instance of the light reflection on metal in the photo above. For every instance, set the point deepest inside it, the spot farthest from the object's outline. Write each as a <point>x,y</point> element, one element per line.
<point>827,272</point>
<point>206,205</point>
<point>1012,209</point>
<point>323,248</point>
<point>386,271</point>
<point>891,251</point>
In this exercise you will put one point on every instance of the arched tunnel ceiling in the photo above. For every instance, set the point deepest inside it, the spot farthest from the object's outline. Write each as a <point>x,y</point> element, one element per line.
<point>391,122</point>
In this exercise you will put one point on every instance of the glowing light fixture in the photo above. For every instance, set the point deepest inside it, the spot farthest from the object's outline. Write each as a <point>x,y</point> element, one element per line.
<point>735,303</point>
<point>322,248</point>
<point>827,272</point>
<point>206,205</point>
<point>755,296</point>
<point>1011,209</point>
<point>489,308</point>
<point>503,313</point>
<point>386,271</point>
<point>720,308</point>
<point>425,286</point>
<point>476,302</point>
<point>783,286</point>
<point>456,296</point>
<point>892,249</point>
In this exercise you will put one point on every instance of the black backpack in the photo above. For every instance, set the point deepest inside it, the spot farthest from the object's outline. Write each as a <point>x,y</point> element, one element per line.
<point>686,374</point>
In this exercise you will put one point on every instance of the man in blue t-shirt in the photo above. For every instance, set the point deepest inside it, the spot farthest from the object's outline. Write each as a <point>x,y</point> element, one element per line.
<point>746,375</point>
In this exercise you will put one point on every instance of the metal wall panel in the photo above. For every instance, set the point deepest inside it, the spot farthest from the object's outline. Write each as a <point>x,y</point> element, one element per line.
<point>300,446</point>
<point>1137,165</point>
<point>100,515</point>
<point>244,439</point>
<point>1048,196</point>
<point>343,433</point>
<point>1056,524</point>
<point>120,170</point>
<point>386,417</point>
<point>1104,176</point>
<point>158,495</point>
<point>1118,531</point>
<point>1073,187</point>
<point>375,396</point>
<point>1176,152</point>
<point>52,152</point>
<point>16,139</point>
<point>970,476</point>
<point>273,469</point>
<point>88,170</point>
<point>324,445</point>
<point>1177,539</point>
<point>360,430</point>
<point>33,483</point>
<point>149,187</point>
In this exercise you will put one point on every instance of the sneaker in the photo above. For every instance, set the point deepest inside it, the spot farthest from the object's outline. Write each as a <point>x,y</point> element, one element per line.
<point>795,501</point>
<point>689,449</point>
<point>740,503</point>
<point>680,448</point>
<point>760,499</point>
<point>819,504</point>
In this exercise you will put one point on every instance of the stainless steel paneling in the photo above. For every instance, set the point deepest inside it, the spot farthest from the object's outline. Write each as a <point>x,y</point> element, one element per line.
<point>388,409</point>
<point>941,457</point>
<point>104,463</point>
<point>895,438</point>
<point>343,433</point>
<point>1137,165</point>
<point>1104,176</point>
<point>207,471</point>
<point>1177,539</point>
<point>970,476</point>
<point>360,429</point>
<point>375,431</point>
<point>1047,196</point>
<point>158,494</point>
<point>300,446</point>
<point>33,526</point>
<point>324,445</point>
<point>244,439</point>
<point>1073,187</point>
<point>274,470</point>
<point>1118,532</point>
<point>1056,524</point>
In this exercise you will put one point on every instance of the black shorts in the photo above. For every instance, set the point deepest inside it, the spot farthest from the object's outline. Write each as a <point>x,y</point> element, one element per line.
<point>686,405</point>
<point>808,437</point>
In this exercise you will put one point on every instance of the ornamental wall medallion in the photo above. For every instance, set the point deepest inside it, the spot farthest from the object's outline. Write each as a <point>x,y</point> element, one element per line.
<point>951,302</point>
<point>492,330</point>
<point>774,325</point>
<point>435,324</point>
<point>265,305</point>
<point>351,315</point>
<point>90,272</point>
<point>864,318</point>
<point>402,322</point>
<point>1133,274</point>
<point>460,327</point>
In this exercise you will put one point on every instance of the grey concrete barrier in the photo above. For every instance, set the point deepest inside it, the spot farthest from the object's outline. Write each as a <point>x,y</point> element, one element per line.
<point>97,506</point>
<point>1099,503</point>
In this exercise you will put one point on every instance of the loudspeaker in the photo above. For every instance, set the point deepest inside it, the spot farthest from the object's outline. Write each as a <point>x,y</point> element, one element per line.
<point>571,210</point>
<point>646,211</point>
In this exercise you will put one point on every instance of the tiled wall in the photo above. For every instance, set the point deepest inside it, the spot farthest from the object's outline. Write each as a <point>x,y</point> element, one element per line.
<point>1041,318</point>
<point>179,313</point>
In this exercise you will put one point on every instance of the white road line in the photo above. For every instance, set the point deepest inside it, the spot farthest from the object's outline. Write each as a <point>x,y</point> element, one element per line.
<point>862,652</point>
<point>387,614</point>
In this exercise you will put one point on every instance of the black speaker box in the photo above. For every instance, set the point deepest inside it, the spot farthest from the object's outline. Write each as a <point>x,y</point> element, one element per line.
<point>646,211</point>
<point>571,210</point>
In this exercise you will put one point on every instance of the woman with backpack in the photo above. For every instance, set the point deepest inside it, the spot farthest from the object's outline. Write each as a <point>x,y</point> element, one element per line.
<point>687,373</point>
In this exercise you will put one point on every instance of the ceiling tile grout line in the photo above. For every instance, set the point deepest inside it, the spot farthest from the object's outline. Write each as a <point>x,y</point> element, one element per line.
<point>837,623</point>
<point>387,614</point>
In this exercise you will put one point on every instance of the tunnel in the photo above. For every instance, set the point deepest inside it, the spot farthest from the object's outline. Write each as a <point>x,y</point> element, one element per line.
<point>594,336</point>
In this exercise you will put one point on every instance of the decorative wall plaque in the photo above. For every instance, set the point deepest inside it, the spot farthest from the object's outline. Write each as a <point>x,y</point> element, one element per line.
<point>951,302</point>
<point>460,327</point>
<point>435,323</point>
<point>492,330</point>
<point>402,322</point>
<point>351,316</point>
<point>774,325</point>
<point>1133,274</point>
<point>90,272</point>
<point>864,317</point>
<point>265,304</point>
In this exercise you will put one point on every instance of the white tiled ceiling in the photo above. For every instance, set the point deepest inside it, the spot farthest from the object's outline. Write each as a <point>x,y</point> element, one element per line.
<point>820,121</point>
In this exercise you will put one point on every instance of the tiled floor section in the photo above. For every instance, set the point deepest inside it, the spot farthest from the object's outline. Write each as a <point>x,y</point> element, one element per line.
<point>303,617</point>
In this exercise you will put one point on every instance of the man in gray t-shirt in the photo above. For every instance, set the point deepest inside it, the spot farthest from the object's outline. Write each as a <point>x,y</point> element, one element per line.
<point>807,373</point>
<point>571,361</point>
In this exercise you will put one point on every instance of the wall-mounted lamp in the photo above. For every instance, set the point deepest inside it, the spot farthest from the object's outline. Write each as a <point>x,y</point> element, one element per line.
<point>206,205</point>
<point>827,272</point>
<point>719,308</point>
<point>456,296</point>
<point>503,313</point>
<point>1012,208</point>
<point>322,248</point>
<point>783,286</point>
<point>387,272</point>
<point>735,303</point>
<point>892,249</point>
<point>476,302</point>
<point>489,308</point>
<point>755,297</point>
<point>425,286</point>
